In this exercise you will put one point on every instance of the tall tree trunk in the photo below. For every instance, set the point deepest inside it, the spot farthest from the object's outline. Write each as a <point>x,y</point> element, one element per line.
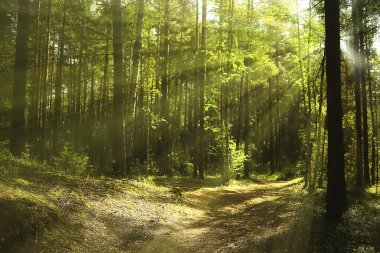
<point>240,112</point>
<point>35,85</point>
<point>104,96</point>
<point>246,129</point>
<point>118,145</point>
<point>336,196</point>
<point>373,123</point>
<point>136,57</point>
<point>203,72</point>
<point>164,103</point>
<point>194,116</point>
<point>247,95</point>
<point>18,131</point>
<point>303,92</point>
<point>45,79</point>
<point>320,123</point>
<point>358,114</point>
<point>364,94</point>
<point>309,143</point>
<point>58,84</point>
<point>77,95</point>
<point>272,167</point>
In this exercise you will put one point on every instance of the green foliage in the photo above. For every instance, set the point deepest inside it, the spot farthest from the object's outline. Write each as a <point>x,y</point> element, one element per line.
<point>4,151</point>
<point>70,161</point>
<point>237,158</point>
<point>289,172</point>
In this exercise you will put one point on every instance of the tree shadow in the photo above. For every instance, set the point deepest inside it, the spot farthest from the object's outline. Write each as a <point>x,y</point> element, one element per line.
<point>21,223</point>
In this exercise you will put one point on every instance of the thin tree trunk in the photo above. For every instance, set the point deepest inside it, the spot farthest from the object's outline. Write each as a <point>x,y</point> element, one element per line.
<point>202,73</point>
<point>364,96</point>
<point>118,145</point>
<point>45,81</point>
<point>18,131</point>
<point>373,124</point>
<point>136,57</point>
<point>58,85</point>
<point>272,167</point>
<point>195,96</point>
<point>164,103</point>
<point>320,125</point>
<point>358,114</point>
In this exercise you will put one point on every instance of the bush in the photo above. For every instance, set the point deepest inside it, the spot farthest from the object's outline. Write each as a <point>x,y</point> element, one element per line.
<point>185,168</point>
<point>287,173</point>
<point>4,151</point>
<point>71,161</point>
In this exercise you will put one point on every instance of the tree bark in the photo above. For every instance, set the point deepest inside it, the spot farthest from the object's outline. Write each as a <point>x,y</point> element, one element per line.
<point>203,72</point>
<point>18,131</point>
<point>164,103</point>
<point>358,112</point>
<point>336,196</point>
<point>364,94</point>
<point>58,85</point>
<point>118,145</point>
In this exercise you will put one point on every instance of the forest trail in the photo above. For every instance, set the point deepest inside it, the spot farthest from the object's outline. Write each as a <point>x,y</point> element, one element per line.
<point>252,218</point>
<point>46,211</point>
<point>62,213</point>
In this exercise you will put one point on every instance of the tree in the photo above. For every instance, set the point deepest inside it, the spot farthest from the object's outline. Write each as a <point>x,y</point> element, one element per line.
<point>202,73</point>
<point>18,134</point>
<point>358,98</point>
<point>336,197</point>
<point>118,145</point>
<point>164,103</point>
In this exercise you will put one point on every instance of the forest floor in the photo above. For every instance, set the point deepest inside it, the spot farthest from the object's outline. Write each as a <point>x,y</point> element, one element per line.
<point>48,211</point>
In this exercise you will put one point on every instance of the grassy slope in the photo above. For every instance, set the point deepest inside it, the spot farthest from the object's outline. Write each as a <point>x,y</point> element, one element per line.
<point>46,211</point>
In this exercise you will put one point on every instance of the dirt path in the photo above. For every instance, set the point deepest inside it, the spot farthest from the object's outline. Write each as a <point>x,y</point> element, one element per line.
<point>255,218</point>
<point>130,216</point>
<point>46,211</point>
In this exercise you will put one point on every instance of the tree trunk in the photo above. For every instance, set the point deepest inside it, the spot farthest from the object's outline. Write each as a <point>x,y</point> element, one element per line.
<point>164,103</point>
<point>18,131</point>
<point>272,167</point>
<point>133,85</point>
<point>45,79</point>
<point>320,125</point>
<point>118,145</point>
<point>194,118</point>
<point>358,112</point>
<point>373,124</point>
<point>336,196</point>
<point>58,85</point>
<point>203,72</point>
<point>364,95</point>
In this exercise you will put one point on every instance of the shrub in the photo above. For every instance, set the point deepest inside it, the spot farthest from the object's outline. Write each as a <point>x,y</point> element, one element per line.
<point>71,161</point>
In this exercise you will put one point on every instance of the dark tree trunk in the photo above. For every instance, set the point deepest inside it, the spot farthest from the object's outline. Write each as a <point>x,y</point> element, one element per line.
<point>18,130</point>
<point>336,196</point>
